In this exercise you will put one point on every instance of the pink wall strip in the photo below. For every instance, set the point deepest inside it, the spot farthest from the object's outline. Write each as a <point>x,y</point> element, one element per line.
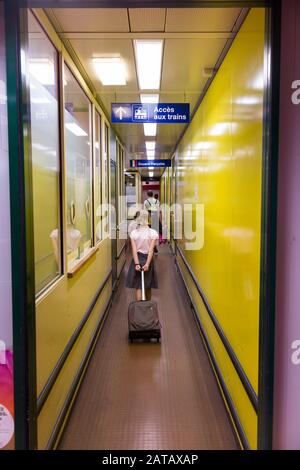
<point>287,374</point>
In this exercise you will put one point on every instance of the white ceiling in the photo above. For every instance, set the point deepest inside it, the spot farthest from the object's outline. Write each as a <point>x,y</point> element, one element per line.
<point>193,40</point>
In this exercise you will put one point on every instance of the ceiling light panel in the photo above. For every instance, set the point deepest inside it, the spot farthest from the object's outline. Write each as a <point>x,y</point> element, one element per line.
<point>148,54</point>
<point>149,98</point>
<point>150,154</point>
<point>110,70</point>
<point>150,129</point>
<point>150,145</point>
<point>43,71</point>
<point>75,129</point>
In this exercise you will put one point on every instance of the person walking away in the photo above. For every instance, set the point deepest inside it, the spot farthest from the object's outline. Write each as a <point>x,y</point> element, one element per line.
<point>159,218</point>
<point>143,240</point>
<point>152,206</point>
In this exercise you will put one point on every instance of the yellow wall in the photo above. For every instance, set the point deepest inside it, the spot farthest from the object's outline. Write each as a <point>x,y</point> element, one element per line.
<point>60,309</point>
<point>45,263</point>
<point>219,164</point>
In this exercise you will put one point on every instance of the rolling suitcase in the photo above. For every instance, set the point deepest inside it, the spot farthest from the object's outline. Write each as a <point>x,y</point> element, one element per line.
<point>143,321</point>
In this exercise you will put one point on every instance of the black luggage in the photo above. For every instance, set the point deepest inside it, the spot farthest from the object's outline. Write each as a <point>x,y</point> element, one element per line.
<point>143,320</point>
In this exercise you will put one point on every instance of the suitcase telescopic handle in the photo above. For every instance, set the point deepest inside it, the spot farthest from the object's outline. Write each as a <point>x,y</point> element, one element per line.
<point>143,284</point>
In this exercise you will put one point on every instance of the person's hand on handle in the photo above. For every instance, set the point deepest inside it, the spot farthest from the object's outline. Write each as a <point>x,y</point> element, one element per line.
<point>137,267</point>
<point>146,267</point>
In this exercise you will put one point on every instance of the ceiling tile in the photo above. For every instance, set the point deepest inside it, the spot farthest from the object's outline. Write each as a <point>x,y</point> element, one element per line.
<point>147,19</point>
<point>92,19</point>
<point>90,48</point>
<point>201,19</point>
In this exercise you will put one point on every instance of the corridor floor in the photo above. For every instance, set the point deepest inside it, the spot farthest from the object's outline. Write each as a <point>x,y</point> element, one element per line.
<point>150,396</point>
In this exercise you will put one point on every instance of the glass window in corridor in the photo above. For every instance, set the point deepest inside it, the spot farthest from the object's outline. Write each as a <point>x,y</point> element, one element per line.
<point>78,144</point>
<point>98,198</point>
<point>44,107</point>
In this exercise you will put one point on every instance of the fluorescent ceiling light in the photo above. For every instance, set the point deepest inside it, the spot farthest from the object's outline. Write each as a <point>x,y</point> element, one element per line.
<point>150,129</point>
<point>148,55</point>
<point>150,145</point>
<point>150,154</point>
<point>149,98</point>
<point>51,152</point>
<point>151,167</point>
<point>39,147</point>
<point>110,70</point>
<point>42,70</point>
<point>151,174</point>
<point>40,101</point>
<point>75,129</point>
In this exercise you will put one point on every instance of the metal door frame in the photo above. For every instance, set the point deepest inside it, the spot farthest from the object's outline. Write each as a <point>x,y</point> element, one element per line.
<point>21,205</point>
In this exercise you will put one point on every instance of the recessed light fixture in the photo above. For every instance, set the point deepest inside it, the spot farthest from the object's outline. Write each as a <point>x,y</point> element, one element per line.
<point>110,70</point>
<point>39,147</point>
<point>75,129</point>
<point>148,54</point>
<point>150,129</point>
<point>51,152</point>
<point>150,154</point>
<point>149,98</point>
<point>151,167</point>
<point>40,101</point>
<point>150,145</point>
<point>42,70</point>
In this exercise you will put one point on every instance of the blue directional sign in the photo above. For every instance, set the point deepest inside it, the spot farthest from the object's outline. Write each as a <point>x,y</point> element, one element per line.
<point>160,113</point>
<point>150,163</point>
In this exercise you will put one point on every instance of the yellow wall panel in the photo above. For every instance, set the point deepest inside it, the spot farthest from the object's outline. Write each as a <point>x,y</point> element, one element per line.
<point>51,410</point>
<point>245,410</point>
<point>60,311</point>
<point>219,164</point>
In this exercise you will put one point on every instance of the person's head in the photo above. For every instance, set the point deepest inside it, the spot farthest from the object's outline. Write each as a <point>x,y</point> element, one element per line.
<point>156,196</point>
<point>136,215</point>
<point>143,218</point>
<point>150,194</point>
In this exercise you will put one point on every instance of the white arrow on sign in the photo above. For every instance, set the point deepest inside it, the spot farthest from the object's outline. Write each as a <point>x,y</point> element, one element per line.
<point>121,111</point>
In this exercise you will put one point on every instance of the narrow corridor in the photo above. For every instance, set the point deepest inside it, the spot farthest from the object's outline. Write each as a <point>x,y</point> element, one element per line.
<point>148,395</point>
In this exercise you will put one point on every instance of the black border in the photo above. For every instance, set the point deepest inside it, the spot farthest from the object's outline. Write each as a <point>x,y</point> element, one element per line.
<point>143,3</point>
<point>22,255</point>
<point>269,227</point>
<point>22,239</point>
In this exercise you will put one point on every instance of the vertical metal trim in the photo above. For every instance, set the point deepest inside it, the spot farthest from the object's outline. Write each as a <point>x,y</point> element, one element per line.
<point>92,174</point>
<point>268,226</point>
<point>63,166</point>
<point>21,203</point>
